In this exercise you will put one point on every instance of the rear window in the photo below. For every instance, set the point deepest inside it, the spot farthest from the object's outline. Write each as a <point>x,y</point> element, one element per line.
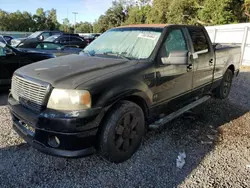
<point>47,46</point>
<point>75,39</point>
<point>199,39</point>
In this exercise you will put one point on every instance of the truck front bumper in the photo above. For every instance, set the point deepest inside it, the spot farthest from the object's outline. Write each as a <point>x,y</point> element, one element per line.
<point>64,134</point>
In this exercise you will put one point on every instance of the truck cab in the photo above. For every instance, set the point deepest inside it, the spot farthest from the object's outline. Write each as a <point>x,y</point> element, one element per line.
<point>104,99</point>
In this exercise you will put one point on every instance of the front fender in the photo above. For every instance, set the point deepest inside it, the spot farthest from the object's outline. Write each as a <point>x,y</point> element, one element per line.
<point>122,90</point>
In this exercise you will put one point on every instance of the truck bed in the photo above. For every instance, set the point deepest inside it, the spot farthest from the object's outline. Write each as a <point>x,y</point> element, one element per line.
<point>226,55</point>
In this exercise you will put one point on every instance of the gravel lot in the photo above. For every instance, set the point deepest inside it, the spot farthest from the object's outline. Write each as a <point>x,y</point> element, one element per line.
<point>215,137</point>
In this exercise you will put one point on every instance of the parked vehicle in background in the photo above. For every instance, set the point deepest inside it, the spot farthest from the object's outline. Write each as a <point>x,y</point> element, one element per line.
<point>5,39</point>
<point>89,37</point>
<point>73,40</point>
<point>8,39</point>
<point>106,99</point>
<point>50,47</point>
<point>2,39</point>
<point>34,37</point>
<point>12,59</point>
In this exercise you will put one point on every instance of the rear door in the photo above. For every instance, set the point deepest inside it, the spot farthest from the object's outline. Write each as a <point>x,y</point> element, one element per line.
<point>77,42</point>
<point>64,40</point>
<point>203,59</point>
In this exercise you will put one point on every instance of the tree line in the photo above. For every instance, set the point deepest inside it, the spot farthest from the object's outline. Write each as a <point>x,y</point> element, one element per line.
<point>196,12</point>
<point>124,12</point>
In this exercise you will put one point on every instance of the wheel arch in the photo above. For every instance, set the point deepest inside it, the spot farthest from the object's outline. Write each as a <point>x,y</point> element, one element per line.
<point>138,98</point>
<point>232,68</point>
<point>135,98</point>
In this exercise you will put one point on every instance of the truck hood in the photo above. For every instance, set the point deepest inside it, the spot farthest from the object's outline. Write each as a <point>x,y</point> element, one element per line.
<point>68,72</point>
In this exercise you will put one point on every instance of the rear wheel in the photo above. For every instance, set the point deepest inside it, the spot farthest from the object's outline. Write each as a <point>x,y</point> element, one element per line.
<point>122,132</point>
<point>224,89</point>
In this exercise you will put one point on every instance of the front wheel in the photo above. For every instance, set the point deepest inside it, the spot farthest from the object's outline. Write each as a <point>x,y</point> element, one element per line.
<point>224,89</point>
<point>122,132</point>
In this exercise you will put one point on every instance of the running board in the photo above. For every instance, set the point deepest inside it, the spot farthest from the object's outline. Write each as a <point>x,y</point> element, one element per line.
<point>179,112</point>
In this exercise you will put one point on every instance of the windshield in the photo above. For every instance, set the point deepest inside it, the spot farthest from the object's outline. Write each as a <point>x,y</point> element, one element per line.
<point>34,35</point>
<point>52,38</point>
<point>132,43</point>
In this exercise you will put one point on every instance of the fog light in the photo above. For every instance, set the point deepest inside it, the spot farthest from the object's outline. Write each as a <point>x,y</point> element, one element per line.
<point>53,141</point>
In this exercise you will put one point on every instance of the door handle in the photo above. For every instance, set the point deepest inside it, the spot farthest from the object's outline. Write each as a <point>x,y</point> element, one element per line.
<point>211,62</point>
<point>189,67</point>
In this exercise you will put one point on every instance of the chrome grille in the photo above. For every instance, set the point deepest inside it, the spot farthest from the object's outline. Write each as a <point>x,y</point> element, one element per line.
<point>28,93</point>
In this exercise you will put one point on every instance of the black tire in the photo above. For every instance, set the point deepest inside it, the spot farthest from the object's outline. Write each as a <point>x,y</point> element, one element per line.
<point>121,132</point>
<point>224,89</point>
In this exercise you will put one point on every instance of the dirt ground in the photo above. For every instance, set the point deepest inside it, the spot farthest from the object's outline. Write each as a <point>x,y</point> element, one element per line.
<point>215,138</point>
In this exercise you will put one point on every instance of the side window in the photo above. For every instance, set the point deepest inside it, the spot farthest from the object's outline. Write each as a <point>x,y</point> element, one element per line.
<point>46,35</point>
<point>75,39</point>
<point>199,39</point>
<point>47,46</point>
<point>39,46</point>
<point>55,34</point>
<point>175,41</point>
<point>64,40</point>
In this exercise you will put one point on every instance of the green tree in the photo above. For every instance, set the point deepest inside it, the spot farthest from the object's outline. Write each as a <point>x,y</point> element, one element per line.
<point>66,26</point>
<point>158,13</point>
<point>85,27</point>
<point>52,22</point>
<point>220,12</point>
<point>246,8</point>
<point>114,16</point>
<point>182,12</point>
<point>46,20</point>
<point>138,15</point>
<point>16,21</point>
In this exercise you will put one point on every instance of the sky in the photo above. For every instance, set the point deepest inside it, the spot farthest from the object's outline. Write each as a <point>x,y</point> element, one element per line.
<point>88,10</point>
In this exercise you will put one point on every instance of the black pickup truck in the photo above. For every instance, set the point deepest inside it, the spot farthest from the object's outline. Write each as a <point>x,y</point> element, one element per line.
<point>106,98</point>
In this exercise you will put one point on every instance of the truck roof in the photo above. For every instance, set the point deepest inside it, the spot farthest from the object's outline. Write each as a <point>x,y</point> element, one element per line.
<point>145,25</point>
<point>155,26</point>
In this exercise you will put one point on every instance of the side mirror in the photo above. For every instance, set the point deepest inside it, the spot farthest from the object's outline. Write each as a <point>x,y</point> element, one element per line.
<point>41,38</point>
<point>176,58</point>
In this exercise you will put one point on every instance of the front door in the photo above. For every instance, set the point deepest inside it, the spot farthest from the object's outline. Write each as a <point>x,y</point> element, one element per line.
<point>202,60</point>
<point>173,81</point>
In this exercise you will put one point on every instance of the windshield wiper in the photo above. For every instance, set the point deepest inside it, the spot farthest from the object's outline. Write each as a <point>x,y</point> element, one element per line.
<point>117,54</point>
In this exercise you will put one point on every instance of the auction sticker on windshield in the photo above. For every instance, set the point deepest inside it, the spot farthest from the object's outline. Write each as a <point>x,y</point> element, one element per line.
<point>147,36</point>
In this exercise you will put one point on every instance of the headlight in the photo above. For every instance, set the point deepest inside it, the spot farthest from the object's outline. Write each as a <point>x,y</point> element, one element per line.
<point>61,99</point>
